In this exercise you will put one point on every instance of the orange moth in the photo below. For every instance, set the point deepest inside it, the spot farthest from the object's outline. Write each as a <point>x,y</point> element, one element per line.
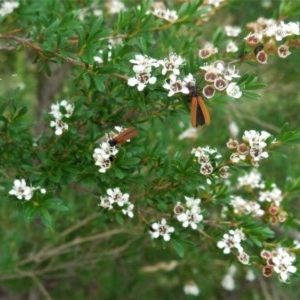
<point>123,136</point>
<point>199,112</point>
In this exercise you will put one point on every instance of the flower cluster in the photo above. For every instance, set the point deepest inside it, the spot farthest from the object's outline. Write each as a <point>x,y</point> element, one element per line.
<point>159,10</point>
<point>265,35</point>
<point>161,228</point>
<point>242,206</point>
<point>190,213</point>
<point>22,191</point>
<point>7,7</point>
<point>170,67</point>
<point>107,151</point>
<point>251,180</point>
<point>115,198</point>
<point>272,199</point>
<point>253,148</point>
<point>265,199</point>
<point>208,160</point>
<point>279,261</point>
<point>232,240</point>
<point>218,77</point>
<point>61,111</point>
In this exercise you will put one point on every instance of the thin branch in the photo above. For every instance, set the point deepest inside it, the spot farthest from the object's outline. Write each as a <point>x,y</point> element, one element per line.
<point>46,253</point>
<point>71,264</point>
<point>41,288</point>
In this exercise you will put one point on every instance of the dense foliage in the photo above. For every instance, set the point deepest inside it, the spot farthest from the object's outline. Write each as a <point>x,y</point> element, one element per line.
<point>108,191</point>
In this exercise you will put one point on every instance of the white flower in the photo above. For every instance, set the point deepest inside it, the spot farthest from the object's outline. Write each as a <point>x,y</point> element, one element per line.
<point>273,195</point>
<point>282,261</point>
<point>190,133</point>
<point>114,198</point>
<point>106,150</point>
<point>161,229</point>
<point>175,85</point>
<point>60,126</point>
<point>250,276</point>
<point>172,64</point>
<point>293,28</point>
<point>232,240</point>
<point>60,110</point>
<point>141,80</point>
<point>254,138</point>
<point>106,202</point>
<point>58,113</point>
<point>238,234</point>
<point>252,179</point>
<point>233,129</point>
<point>208,50</point>
<point>166,14</point>
<point>190,217</point>
<point>233,31</point>
<point>231,47</point>
<point>117,196</point>
<point>21,190</point>
<point>190,214</point>
<point>171,15</point>
<point>102,162</point>
<point>8,7</point>
<point>115,6</point>
<point>190,202</point>
<point>283,51</point>
<point>55,111</point>
<point>227,243</point>
<point>128,210</point>
<point>191,288</point>
<point>228,282</point>
<point>233,90</point>
<point>189,80</point>
<point>244,258</point>
<point>215,3</point>
<point>257,144</point>
<point>143,63</point>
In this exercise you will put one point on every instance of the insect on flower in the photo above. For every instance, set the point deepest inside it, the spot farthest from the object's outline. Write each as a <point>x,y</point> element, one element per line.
<point>199,113</point>
<point>258,48</point>
<point>123,136</point>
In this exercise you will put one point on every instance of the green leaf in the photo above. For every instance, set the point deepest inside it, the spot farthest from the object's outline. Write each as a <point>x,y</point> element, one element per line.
<point>289,137</point>
<point>178,248</point>
<point>30,212</point>
<point>87,79</point>
<point>99,83</point>
<point>56,204</point>
<point>119,173</point>
<point>46,218</point>
<point>251,95</point>
<point>22,111</point>
<point>119,218</point>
